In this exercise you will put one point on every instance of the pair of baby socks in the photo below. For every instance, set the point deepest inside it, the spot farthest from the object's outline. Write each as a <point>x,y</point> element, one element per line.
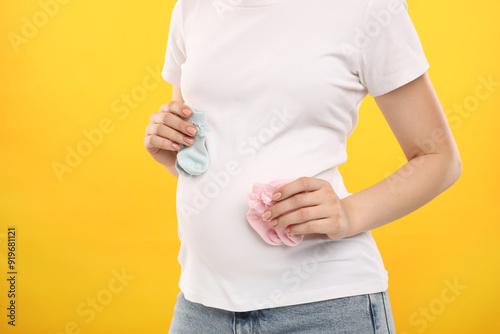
<point>193,160</point>
<point>259,200</point>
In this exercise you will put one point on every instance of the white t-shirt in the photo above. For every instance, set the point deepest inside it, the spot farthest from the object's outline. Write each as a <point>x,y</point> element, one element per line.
<point>281,82</point>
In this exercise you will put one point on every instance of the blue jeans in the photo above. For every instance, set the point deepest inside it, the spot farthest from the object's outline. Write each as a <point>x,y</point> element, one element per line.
<point>362,314</point>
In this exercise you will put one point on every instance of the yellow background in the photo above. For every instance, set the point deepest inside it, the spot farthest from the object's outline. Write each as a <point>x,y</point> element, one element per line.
<point>115,210</point>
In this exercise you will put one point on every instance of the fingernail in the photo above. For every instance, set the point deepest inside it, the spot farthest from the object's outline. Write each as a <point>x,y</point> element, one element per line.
<point>175,146</point>
<point>186,112</point>
<point>189,140</point>
<point>287,230</point>
<point>192,130</point>
<point>276,196</point>
<point>266,215</point>
<point>273,223</point>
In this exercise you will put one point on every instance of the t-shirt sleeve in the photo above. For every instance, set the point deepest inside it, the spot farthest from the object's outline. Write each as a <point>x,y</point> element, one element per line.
<point>391,54</point>
<point>175,55</point>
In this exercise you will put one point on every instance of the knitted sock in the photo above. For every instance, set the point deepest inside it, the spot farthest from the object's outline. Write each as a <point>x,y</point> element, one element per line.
<point>254,215</point>
<point>193,160</point>
<point>259,200</point>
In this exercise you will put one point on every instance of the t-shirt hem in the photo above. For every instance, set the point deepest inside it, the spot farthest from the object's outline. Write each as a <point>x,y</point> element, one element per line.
<point>277,300</point>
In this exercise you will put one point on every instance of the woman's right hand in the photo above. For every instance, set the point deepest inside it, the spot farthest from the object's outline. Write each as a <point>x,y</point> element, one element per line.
<point>166,130</point>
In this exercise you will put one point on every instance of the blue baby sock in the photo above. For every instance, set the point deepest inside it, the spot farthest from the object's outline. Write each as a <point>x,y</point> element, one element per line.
<point>193,160</point>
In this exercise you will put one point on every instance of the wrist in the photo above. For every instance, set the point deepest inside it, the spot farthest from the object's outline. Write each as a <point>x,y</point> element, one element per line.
<point>348,217</point>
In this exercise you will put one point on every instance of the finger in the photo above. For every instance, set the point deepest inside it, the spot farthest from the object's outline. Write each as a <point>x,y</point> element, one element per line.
<point>176,107</point>
<point>297,186</point>
<point>294,202</point>
<point>168,133</point>
<point>173,121</point>
<point>154,141</point>
<point>321,226</point>
<point>325,195</point>
<point>302,215</point>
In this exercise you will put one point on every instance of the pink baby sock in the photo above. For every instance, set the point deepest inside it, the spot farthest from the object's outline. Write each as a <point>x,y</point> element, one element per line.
<point>258,201</point>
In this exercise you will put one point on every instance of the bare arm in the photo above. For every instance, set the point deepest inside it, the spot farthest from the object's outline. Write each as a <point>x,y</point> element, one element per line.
<point>418,121</point>
<point>177,94</point>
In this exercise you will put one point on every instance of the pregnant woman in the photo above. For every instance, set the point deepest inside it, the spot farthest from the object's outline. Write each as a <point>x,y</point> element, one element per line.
<point>265,94</point>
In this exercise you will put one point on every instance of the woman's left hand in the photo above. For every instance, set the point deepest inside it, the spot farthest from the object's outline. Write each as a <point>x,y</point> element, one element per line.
<point>317,207</point>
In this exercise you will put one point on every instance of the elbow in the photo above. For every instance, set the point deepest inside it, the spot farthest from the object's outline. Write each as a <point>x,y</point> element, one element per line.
<point>459,167</point>
<point>454,168</point>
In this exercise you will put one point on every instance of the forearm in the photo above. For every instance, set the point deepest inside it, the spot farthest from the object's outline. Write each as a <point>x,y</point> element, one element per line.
<point>410,187</point>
